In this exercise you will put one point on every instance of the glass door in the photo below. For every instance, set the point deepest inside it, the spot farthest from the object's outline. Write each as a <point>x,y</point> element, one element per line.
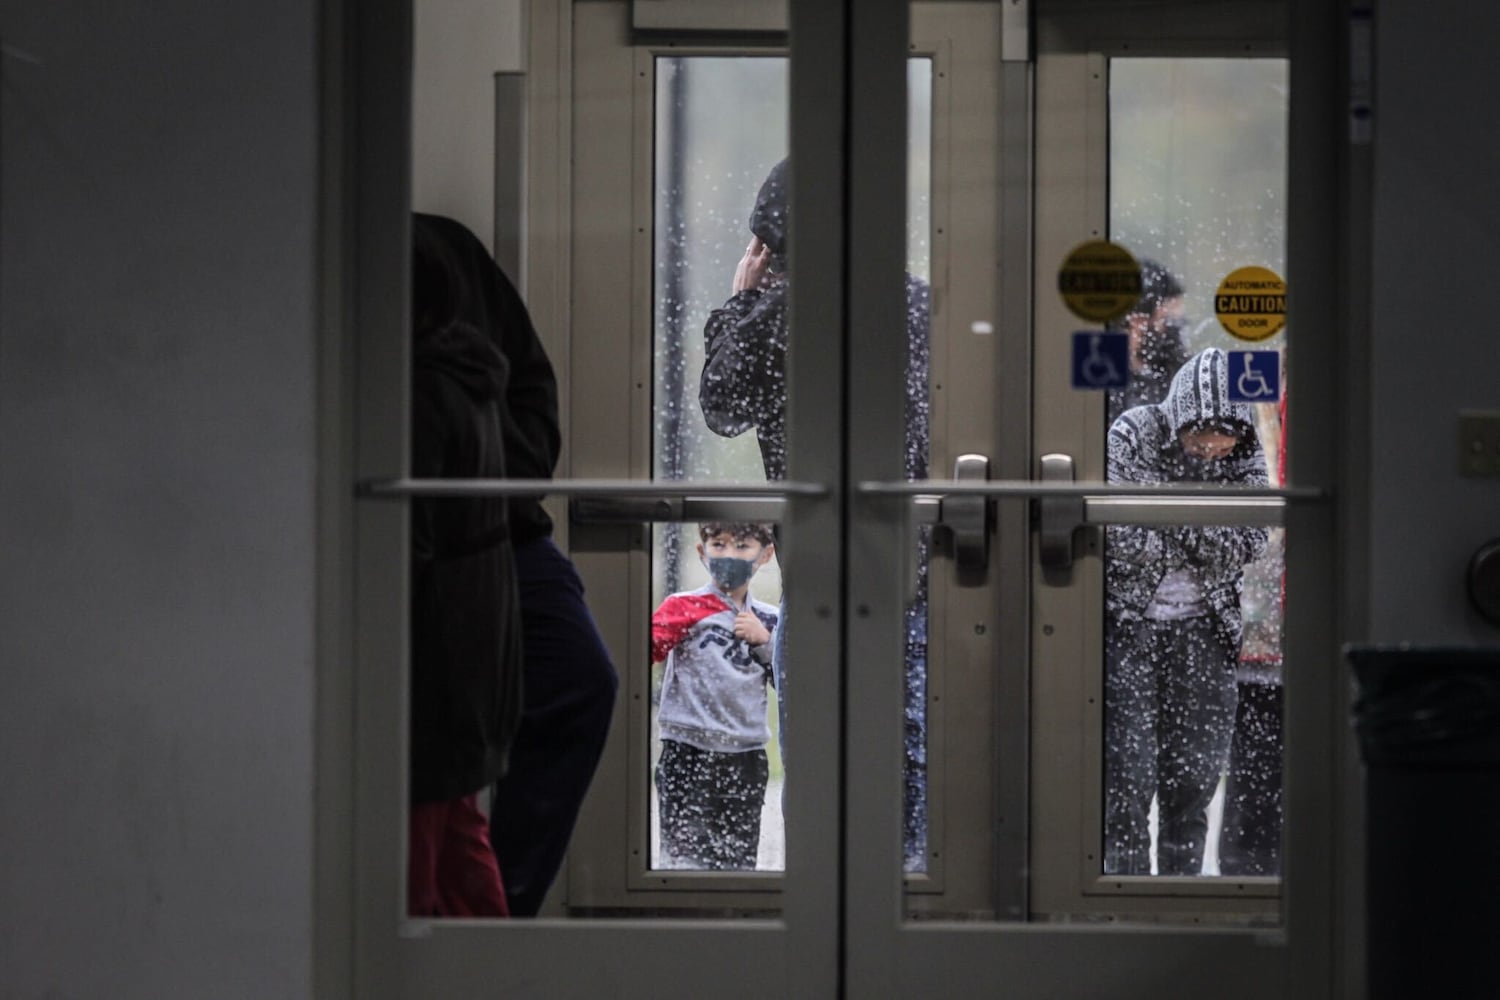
<point>655,911</point>
<point>920,781</point>
<point>1104,664</point>
<point>1188,174</point>
<point>712,352</point>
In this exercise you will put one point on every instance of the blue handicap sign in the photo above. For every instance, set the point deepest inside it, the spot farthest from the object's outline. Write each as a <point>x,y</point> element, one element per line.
<point>1100,360</point>
<point>1254,376</point>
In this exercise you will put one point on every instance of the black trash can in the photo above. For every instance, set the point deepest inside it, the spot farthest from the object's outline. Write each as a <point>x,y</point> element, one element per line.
<point>1428,721</point>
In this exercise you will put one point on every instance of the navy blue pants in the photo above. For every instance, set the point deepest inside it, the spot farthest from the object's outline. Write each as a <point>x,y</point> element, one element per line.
<point>568,697</point>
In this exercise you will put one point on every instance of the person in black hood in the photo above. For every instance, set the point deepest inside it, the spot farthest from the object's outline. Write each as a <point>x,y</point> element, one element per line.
<point>1172,622</point>
<point>1154,326</point>
<point>570,680</point>
<point>465,620</point>
<point>743,385</point>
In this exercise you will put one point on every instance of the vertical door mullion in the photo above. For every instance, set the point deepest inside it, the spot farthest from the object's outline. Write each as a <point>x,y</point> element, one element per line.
<point>1323,912</point>
<point>813,537</point>
<point>381,144</point>
<point>876,532</point>
<point>1012,437</point>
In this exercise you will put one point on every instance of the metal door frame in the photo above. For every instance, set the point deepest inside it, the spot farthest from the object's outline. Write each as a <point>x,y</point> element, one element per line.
<point>962,40</point>
<point>373,950</point>
<point>1066,960</point>
<point>1075,50</point>
<point>845,907</point>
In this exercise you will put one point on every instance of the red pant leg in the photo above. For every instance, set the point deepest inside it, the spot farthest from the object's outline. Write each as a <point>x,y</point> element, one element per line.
<point>425,833</point>
<point>468,875</point>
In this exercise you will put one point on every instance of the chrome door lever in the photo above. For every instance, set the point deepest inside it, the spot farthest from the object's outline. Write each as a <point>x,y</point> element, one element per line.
<point>967,520</point>
<point>1058,516</point>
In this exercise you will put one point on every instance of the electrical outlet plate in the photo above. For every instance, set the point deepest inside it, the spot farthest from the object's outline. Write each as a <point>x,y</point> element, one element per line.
<point>1479,443</point>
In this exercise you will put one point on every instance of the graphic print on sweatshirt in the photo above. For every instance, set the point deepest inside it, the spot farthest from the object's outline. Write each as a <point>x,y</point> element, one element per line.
<point>713,694</point>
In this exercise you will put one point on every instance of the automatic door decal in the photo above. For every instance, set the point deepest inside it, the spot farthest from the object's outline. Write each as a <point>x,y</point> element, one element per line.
<point>1099,281</point>
<point>1251,303</point>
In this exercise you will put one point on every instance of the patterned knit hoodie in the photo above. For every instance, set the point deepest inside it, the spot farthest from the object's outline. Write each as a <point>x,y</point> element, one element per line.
<point>1145,448</point>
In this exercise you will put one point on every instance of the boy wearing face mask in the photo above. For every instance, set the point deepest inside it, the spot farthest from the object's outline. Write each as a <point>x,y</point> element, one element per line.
<point>716,642</point>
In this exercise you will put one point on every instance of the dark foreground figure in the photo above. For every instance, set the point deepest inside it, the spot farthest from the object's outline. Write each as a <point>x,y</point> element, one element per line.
<point>569,681</point>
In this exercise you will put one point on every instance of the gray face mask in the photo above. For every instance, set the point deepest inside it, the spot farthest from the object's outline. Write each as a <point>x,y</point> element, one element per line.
<point>730,573</point>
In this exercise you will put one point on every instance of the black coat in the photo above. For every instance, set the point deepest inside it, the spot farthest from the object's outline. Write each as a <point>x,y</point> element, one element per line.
<point>486,300</point>
<point>1162,354</point>
<point>465,615</point>
<point>743,383</point>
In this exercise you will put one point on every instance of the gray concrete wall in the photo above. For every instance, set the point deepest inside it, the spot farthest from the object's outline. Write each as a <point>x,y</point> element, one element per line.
<point>157,304</point>
<point>1434,343</point>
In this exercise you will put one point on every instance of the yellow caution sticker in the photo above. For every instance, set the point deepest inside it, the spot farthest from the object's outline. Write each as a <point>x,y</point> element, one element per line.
<point>1099,281</point>
<point>1251,303</point>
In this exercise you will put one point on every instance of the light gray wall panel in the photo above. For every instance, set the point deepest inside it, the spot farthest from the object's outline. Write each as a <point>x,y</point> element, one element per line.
<point>459,47</point>
<point>157,297</point>
<point>1434,344</point>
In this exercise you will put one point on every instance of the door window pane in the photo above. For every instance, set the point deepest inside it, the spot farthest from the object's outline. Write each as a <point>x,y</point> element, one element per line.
<point>918,443</point>
<point>1192,685</point>
<point>716,771</point>
<point>720,355</point>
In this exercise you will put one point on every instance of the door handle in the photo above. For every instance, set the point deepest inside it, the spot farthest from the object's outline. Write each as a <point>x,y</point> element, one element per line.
<point>1058,516</point>
<point>674,509</point>
<point>400,488</point>
<point>967,520</point>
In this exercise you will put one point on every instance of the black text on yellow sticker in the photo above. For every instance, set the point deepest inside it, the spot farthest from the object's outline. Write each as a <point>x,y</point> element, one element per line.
<point>1251,303</point>
<point>1099,281</point>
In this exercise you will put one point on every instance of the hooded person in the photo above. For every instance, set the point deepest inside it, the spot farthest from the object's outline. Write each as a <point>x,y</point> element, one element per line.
<point>569,679</point>
<point>743,383</point>
<point>1172,621</point>
<point>1154,326</point>
<point>743,386</point>
<point>465,699</point>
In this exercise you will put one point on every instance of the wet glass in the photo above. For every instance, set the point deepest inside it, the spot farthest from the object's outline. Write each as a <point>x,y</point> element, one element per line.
<point>1192,675</point>
<point>720,350</point>
<point>918,452</point>
<point>710,168</point>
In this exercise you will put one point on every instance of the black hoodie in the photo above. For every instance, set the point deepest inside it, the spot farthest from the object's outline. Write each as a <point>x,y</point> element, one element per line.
<point>483,297</point>
<point>768,217</point>
<point>465,615</point>
<point>743,383</point>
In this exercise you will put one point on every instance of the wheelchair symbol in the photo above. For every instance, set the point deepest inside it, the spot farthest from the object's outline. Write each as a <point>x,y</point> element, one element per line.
<point>1254,384</point>
<point>1099,360</point>
<point>1098,369</point>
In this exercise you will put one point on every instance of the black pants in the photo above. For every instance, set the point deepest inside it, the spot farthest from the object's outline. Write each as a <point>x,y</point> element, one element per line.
<point>1250,842</point>
<point>568,696</point>
<point>709,806</point>
<point>1169,701</point>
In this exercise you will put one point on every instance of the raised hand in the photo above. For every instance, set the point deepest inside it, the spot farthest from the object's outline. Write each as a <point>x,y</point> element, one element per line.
<point>751,270</point>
